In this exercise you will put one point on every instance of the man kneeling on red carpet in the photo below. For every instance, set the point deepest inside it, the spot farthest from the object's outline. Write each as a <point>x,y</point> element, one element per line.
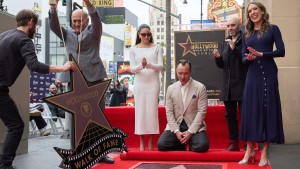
<point>186,107</point>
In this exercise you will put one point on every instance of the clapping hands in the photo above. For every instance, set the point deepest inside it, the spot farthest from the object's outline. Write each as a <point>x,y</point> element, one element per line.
<point>253,54</point>
<point>144,62</point>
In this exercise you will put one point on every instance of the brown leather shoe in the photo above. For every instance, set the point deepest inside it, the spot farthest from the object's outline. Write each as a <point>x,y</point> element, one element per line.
<point>233,146</point>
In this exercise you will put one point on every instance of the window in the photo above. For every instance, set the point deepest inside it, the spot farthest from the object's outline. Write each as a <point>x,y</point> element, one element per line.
<point>157,37</point>
<point>162,30</point>
<point>157,30</point>
<point>162,22</point>
<point>158,22</point>
<point>162,36</point>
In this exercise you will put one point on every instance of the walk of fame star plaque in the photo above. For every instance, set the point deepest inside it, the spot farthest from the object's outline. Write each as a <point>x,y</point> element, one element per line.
<point>93,135</point>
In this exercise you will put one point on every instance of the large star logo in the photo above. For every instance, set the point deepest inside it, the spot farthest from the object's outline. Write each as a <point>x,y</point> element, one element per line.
<point>187,47</point>
<point>83,101</point>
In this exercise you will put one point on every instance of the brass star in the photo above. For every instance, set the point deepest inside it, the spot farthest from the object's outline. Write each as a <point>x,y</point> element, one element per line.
<point>187,47</point>
<point>83,101</point>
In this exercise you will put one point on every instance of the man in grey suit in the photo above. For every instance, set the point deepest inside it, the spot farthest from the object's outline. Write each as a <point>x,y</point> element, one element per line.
<point>83,42</point>
<point>186,107</point>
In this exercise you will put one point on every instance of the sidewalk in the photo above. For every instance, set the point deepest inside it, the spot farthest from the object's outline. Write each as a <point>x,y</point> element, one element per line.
<point>42,155</point>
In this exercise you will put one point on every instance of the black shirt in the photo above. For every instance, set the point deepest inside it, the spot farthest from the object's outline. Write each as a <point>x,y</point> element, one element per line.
<point>16,50</point>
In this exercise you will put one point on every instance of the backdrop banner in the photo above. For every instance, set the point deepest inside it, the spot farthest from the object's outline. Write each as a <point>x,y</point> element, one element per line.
<point>197,47</point>
<point>39,85</point>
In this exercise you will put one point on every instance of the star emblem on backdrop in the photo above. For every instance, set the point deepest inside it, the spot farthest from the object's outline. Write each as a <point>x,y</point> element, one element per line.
<point>187,47</point>
<point>83,102</point>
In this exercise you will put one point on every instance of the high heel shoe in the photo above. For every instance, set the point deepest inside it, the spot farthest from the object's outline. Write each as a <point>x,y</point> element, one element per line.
<point>264,160</point>
<point>251,159</point>
<point>263,163</point>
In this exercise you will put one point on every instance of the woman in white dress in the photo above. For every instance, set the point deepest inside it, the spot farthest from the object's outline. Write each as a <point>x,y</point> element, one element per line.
<point>146,62</point>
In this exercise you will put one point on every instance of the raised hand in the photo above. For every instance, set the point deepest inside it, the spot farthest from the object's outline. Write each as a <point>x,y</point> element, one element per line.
<point>216,53</point>
<point>87,3</point>
<point>53,3</point>
<point>230,42</point>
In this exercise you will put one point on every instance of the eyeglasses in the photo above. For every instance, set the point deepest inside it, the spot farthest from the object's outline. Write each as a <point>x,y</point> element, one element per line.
<point>146,34</point>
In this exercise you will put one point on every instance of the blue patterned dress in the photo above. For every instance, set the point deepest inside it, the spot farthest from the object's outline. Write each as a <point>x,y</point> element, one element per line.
<point>261,118</point>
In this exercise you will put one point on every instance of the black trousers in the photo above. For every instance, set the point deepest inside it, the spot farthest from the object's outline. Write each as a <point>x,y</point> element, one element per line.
<point>231,117</point>
<point>11,118</point>
<point>169,142</point>
<point>39,121</point>
<point>55,111</point>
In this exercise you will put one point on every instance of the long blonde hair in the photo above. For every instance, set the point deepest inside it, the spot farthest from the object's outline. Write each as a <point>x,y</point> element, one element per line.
<point>250,25</point>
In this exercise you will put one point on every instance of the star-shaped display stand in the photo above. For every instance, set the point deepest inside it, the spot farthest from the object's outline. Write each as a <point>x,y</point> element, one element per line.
<point>83,102</point>
<point>92,130</point>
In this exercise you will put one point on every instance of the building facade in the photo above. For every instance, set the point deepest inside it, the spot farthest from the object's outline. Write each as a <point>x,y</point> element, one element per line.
<point>157,19</point>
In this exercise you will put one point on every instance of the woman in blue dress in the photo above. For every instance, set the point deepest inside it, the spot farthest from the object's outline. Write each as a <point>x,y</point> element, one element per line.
<point>261,118</point>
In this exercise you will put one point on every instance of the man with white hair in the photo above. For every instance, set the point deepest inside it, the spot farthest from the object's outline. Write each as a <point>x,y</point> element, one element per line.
<point>83,42</point>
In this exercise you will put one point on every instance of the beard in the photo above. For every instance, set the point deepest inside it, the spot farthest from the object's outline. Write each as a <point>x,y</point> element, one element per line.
<point>31,33</point>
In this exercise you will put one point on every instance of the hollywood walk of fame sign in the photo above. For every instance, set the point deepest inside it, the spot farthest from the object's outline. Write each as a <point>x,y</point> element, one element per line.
<point>187,46</point>
<point>197,47</point>
<point>93,135</point>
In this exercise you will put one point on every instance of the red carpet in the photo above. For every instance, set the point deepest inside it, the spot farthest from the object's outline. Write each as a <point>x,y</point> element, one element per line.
<point>211,155</point>
<point>130,164</point>
<point>164,165</point>
<point>123,118</point>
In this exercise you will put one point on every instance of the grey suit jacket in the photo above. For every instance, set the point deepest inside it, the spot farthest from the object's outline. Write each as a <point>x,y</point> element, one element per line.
<point>194,111</point>
<point>89,60</point>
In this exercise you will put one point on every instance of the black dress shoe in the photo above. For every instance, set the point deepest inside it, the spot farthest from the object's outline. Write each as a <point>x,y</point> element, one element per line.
<point>107,160</point>
<point>233,146</point>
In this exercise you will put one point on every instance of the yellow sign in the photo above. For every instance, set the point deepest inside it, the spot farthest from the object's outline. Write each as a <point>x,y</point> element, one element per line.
<point>102,3</point>
<point>127,35</point>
